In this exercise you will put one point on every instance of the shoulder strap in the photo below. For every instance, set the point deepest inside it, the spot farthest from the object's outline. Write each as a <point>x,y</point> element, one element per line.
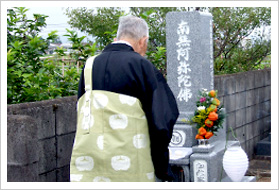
<point>88,72</point>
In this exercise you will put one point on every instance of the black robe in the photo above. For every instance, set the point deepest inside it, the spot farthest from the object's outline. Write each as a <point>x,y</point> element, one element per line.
<point>121,70</point>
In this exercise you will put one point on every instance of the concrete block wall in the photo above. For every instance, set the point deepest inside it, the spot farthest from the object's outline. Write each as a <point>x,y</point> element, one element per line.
<point>55,122</point>
<point>247,99</point>
<point>45,130</point>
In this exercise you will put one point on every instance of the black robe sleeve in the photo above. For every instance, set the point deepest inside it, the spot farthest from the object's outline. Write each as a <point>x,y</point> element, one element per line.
<point>162,115</point>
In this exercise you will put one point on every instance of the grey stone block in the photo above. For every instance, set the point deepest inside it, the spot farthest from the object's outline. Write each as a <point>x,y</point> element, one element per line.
<point>22,173</point>
<point>218,85</point>
<point>257,127</point>
<point>244,179</point>
<point>249,131</point>
<point>265,108</point>
<point>230,103</point>
<point>267,77</point>
<point>267,93</point>
<point>66,118</point>
<point>229,85</point>
<point>243,146</point>
<point>250,115</point>
<point>43,114</point>
<point>240,134</point>
<point>64,149</point>
<point>250,98</point>
<point>250,80</point>
<point>240,100</point>
<point>203,148</point>
<point>259,95</point>
<point>231,120</point>
<point>48,177</point>
<point>47,161</point>
<point>259,78</point>
<point>257,111</point>
<point>240,83</point>
<point>267,123</point>
<point>63,174</point>
<point>200,166</point>
<point>240,117</point>
<point>264,147</point>
<point>250,148</point>
<point>22,141</point>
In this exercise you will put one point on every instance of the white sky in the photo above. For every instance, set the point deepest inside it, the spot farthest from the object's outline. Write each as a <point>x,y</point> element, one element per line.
<point>57,20</point>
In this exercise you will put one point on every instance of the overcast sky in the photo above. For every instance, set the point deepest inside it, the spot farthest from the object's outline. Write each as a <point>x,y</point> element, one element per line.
<point>57,20</point>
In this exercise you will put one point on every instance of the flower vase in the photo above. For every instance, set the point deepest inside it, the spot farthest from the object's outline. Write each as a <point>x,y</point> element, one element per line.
<point>203,142</point>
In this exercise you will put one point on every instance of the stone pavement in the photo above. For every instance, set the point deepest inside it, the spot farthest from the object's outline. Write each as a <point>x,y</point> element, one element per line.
<point>260,167</point>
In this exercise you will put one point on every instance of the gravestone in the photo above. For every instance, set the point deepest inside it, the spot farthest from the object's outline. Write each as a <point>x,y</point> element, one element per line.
<point>189,57</point>
<point>190,69</point>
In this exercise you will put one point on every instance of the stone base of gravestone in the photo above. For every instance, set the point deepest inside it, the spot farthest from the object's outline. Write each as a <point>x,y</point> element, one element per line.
<point>244,179</point>
<point>206,162</point>
<point>180,157</point>
<point>201,169</point>
<point>183,135</point>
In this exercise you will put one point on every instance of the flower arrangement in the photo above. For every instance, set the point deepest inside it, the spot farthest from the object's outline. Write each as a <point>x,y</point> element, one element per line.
<point>209,115</point>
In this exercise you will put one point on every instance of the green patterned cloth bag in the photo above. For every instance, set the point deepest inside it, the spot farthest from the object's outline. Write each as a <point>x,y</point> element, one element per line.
<point>112,140</point>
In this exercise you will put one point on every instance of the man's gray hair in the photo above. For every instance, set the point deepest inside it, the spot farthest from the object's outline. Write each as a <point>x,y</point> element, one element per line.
<point>132,27</point>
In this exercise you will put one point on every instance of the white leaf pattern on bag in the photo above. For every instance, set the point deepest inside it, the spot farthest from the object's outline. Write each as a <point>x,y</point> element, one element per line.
<point>84,163</point>
<point>101,179</point>
<point>124,99</point>
<point>118,121</point>
<point>100,142</point>
<point>150,175</point>
<point>100,100</point>
<point>140,141</point>
<point>75,177</point>
<point>120,162</point>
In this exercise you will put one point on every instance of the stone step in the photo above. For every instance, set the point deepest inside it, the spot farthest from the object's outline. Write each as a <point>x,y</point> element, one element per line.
<point>263,147</point>
<point>244,179</point>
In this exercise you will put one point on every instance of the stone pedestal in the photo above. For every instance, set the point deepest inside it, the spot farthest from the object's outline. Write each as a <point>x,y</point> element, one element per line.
<point>180,156</point>
<point>203,164</point>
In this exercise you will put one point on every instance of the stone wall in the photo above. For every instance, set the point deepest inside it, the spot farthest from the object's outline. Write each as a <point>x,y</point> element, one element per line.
<point>40,134</point>
<point>54,122</point>
<point>247,99</point>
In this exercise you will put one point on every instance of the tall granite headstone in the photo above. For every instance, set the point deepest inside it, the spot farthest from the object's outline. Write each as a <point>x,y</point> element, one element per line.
<point>189,67</point>
<point>189,57</point>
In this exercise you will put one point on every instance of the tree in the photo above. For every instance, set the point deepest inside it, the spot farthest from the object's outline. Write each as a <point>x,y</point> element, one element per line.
<point>101,23</point>
<point>104,23</point>
<point>231,26</point>
<point>31,78</point>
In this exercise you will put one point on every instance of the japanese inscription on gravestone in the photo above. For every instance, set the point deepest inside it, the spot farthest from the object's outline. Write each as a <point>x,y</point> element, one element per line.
<point>189,57</point>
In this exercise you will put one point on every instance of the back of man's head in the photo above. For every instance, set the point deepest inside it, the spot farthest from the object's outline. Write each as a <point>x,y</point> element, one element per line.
<point>132,27</point>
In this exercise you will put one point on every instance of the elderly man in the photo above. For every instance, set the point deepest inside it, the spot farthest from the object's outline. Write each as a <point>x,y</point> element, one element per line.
<point>126,113</point>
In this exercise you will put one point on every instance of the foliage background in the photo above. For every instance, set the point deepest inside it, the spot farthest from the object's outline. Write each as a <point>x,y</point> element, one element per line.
<point>31,78</point>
